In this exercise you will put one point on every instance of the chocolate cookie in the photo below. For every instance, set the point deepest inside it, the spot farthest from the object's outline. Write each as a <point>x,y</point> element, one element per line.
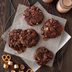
<point>33,15</point>
<point>14,40</point>
<point>43,55</point>
<point>29,37</point>
<point>51,29</point>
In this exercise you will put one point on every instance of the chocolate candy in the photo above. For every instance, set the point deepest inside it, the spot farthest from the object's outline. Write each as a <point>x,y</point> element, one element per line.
<point>10,63</point>
<point>16,66</point>
<point>13,71</point>
<point>5,66</point>
<point>22,67</point>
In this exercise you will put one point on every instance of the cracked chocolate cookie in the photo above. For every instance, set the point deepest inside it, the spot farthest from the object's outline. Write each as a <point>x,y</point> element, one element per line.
<point>33,15</point>
<point>43,55</point>
<point>51,29</point>
<point>14,40</point>
<point>29,37</point>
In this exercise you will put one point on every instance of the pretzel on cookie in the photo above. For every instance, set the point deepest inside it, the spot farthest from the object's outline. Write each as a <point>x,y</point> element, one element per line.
<point>29,70</point>
<point>6,57</point>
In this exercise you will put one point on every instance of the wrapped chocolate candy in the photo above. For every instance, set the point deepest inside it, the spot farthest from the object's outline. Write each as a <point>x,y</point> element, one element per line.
<point>10,63</point>
<point>13,71</point>
<point>22,67</point>
<point>47,1</point>
<point>16,66</point>
<point>5,66</point>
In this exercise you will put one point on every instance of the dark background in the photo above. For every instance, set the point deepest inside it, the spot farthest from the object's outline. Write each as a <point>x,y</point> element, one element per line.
<point>63,59</point>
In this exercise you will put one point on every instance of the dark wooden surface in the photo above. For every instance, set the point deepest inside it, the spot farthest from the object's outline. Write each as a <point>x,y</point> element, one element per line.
<point>63,59</point>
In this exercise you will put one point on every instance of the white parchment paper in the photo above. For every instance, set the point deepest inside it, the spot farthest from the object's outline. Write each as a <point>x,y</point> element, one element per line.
<point>52,44</point>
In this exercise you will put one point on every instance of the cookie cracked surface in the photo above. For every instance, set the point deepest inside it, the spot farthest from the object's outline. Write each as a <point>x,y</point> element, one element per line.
<point>33,15</point>
<point>20,39</point>
<point>52,29</point>
<point>43,55</point>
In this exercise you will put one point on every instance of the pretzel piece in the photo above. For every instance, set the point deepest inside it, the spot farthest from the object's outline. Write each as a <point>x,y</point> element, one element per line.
<point>29,70</point>
<point>6,57</point>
